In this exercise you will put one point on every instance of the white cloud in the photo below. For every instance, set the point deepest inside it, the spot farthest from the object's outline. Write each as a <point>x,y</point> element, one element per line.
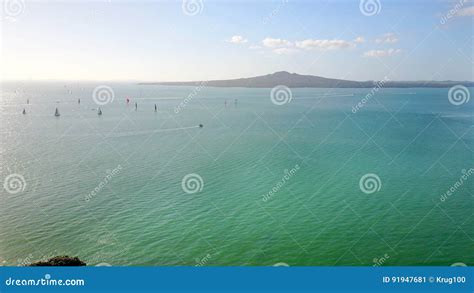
<point>468,11</point>
<point>284,51</point>
<point>237,40</point>
<point>389,38</point>
<point>323,44</point>
<point>359,40</point>
<point>282,46</point>
<point>255,47</point>
<point>275,43</point>
<point>382,53</point>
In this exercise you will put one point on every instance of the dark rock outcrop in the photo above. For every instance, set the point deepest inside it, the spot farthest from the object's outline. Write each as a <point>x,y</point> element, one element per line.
<point>60,261</point>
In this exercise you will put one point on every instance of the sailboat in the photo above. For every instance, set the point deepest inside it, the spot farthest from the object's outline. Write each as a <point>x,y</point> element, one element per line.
<point>24,111</point>
<point>56,113</point>
<point>99,112</point>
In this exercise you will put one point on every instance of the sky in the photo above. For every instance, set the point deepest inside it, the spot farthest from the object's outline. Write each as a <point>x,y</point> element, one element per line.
<point>200,40</point>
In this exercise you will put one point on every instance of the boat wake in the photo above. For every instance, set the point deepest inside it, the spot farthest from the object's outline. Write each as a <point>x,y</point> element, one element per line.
<point>145,132</point>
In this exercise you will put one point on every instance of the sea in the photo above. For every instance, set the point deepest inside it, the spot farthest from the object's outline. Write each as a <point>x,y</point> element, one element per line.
<point>235,176</point>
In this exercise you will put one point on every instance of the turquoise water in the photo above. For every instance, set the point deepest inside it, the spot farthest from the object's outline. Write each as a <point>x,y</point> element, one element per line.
<point>312,152</point>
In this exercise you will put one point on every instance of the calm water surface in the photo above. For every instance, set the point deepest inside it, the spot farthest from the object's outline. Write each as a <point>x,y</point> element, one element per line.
<point>109,188</point>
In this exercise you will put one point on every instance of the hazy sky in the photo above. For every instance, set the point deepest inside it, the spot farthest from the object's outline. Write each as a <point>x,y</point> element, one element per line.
<point>168,40</point>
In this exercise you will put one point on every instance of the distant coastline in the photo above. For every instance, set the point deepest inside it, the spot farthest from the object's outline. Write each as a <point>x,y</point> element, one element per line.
<point>294,80</point>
